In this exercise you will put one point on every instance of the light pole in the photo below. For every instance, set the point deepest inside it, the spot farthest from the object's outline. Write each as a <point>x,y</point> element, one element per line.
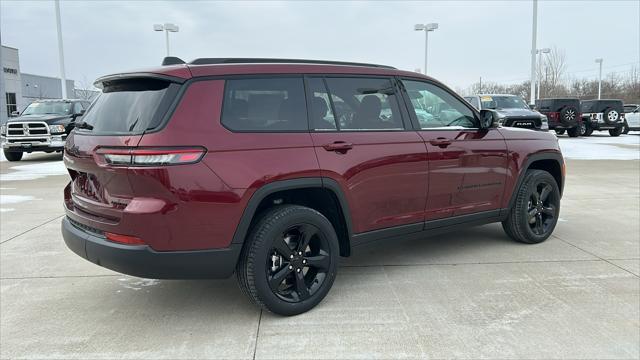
<point>599,61</point>
<point>426,28</point>
<point>61,51</point>
<point>167,28</point>
<point>540,52</point>
<point>533,51</point>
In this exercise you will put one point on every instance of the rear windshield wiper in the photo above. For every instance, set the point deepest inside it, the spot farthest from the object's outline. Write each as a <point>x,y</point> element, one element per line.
<point>84,125</point>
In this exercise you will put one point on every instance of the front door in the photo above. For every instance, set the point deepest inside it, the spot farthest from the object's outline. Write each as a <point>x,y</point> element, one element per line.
<point>361,142</point>
<point>467,165</point>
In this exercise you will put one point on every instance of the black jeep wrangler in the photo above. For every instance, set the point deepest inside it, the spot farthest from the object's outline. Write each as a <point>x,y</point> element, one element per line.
<point>602,115</point>
<point>42,126</point>
<point>563,115</point>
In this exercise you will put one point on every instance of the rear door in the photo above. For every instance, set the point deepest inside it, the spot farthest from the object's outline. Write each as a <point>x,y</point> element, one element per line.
<point>362,142</point>
<point>467,165</point>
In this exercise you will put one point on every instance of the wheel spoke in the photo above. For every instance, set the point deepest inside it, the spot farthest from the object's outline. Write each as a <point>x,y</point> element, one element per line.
<point>301,286</point>
<point>539,230</point>
<point>536,197</point>
<point>544,193</point>
<point>281,246</point>
<point>320,262</point>
<point>306,233</point>
<point>532,214</point>
<point>549,210</point>
<point>277,278</point>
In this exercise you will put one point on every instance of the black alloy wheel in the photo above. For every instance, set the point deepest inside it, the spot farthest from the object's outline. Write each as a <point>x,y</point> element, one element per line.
<point>299,262</point>
<point>542,207</point>
<point>289,260</point>
<point>534,215</point>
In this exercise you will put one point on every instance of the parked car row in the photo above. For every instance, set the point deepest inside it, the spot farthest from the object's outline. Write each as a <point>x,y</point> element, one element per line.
<point>570,115</point>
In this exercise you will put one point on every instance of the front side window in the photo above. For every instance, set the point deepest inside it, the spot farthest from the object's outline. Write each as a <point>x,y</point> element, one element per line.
<point>365,104</point>
<point>265,104</point>
<point>436,108</point>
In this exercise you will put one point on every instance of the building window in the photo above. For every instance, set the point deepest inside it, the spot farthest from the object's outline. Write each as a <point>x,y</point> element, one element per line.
<point>11,103</point>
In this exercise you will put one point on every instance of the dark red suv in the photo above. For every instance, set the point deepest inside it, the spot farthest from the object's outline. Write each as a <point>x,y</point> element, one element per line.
<point>275,168</point>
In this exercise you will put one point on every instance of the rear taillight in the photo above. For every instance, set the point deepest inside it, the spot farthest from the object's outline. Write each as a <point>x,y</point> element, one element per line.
<point>124,239</point>
<point>553,115</point>
<point>149,156</point>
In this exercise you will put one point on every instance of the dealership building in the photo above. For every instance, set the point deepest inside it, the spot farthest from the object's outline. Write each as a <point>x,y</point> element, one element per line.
<point>21,89</point>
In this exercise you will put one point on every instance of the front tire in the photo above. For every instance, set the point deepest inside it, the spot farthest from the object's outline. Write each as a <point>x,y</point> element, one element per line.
<point>616,132</point>
<point>289,261</point>
<point>588,130</point>
<point>13,155</point>
<point>574,132</point>
<point>625,128</point>
<point>560,131</point>
<point>534,215</point>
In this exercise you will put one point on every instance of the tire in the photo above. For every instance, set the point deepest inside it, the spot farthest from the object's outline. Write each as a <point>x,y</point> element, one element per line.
<point>582,128</point>
<point>271,261</point>
<point>13,156</point>
<point>560,131</point>
<point>616,132</point>
<point>537,185</point>
<point>574,131</point>
<point>610,116</point>
<point>588,130</point>
<point>569,116</point>
<point>625,128</point>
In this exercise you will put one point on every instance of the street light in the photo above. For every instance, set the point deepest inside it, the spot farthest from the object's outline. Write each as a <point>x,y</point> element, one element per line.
<point>599,61</point>
<point>167,28</point>
<point>426,28</point>
<point>540,52</point>
<point>534,33</point>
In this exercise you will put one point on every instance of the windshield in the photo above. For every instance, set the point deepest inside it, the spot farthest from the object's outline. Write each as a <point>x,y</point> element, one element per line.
<point>41,108</point>
<point>129,106</point>
<point>503,102</point>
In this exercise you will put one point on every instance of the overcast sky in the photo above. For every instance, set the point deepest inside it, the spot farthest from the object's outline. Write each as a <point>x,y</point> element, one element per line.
<point>475,38</point>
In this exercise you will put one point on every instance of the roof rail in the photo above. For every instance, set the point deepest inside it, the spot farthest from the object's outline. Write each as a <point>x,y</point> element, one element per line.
<point>211,61</point>
<point>172,60</point>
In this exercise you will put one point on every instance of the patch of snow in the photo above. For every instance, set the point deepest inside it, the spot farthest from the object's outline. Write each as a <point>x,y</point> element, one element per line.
<point>601,147</point>
<point>6,210</point>
<point>34,171</point>
<point>14,199</point>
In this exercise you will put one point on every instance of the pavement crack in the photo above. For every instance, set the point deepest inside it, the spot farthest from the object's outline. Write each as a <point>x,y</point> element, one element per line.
<point>33,228</point>
<point>255,346</point>
<point>592,254</point>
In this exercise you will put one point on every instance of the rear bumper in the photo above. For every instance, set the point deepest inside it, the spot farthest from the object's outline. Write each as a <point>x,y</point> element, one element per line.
<point>143,261</point>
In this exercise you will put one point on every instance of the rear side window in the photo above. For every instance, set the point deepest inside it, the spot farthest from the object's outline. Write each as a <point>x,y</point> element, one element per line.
<point>130,106</point>
<point>365,104</point>
<point>265,104</point>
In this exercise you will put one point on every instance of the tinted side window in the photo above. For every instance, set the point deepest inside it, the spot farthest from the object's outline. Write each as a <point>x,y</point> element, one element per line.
<point>265,104</point>
<point>365,104</point>
<point>434,107</point>
<point>320,114</point>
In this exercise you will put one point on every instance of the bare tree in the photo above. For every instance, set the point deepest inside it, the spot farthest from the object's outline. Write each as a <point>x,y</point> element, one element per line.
<point>85,90</point>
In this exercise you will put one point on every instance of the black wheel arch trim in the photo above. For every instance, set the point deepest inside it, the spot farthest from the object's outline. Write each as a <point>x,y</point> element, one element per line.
<point>555,156</point>
<point>291,184</point>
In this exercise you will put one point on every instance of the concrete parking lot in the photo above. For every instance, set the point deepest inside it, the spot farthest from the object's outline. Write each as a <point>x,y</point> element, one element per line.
<point>468,294</point>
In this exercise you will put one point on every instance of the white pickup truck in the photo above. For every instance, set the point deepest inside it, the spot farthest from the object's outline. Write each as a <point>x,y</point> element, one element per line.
<point>632,117</point>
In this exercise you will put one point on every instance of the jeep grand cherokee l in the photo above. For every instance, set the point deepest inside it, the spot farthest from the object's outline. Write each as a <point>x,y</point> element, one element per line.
<point>42,126</point>
<point>275,168</point>
<point>511,110</point>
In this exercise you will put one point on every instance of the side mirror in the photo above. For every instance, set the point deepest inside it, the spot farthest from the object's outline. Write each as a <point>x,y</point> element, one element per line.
<point>15,113</point>
<point>80,113</point>
<point>489,104</point>
<point>488,119</point>
<point>532,106</point>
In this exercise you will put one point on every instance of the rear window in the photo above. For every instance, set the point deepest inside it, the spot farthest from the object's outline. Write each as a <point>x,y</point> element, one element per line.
<point>130,106</point>
<point>600,105</point>
<point>265,104</point>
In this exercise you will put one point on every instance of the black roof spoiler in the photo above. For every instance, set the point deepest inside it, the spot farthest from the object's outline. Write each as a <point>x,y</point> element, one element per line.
<point>172,60</point>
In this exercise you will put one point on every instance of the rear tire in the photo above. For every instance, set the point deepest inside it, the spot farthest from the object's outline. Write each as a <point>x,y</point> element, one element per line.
<point>560,131</point>
<point>588,130</point>
<point>289,261</point>
<point>625,128</point>
<point>574,132</point>
<point>534,215</point>
<point>13,156</point>
<point>616,132</point>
